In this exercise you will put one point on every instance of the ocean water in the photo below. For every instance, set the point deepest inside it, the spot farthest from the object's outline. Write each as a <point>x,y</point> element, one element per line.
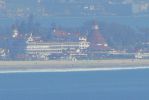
<point>94,85</point>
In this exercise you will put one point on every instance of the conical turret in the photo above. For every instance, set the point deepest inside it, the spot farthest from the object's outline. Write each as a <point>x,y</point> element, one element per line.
<point>98,42</point>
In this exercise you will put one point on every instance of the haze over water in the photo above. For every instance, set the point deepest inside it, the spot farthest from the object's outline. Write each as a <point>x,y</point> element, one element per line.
<point>97,85</point>
<point>40,16</point>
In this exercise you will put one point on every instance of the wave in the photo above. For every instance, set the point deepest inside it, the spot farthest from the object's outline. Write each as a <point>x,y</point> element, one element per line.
<point>73,70</point>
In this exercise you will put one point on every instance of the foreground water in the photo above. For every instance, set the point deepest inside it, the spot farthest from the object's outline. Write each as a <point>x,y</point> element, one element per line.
<point>96,85</point>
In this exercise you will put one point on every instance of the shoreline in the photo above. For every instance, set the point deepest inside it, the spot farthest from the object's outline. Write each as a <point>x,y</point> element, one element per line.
<point>72,70</point>
<point>72,66</point>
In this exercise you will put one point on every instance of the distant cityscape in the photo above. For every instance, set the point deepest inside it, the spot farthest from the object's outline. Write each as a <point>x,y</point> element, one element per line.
<point>74,29</point>
<point>22,8</point>
<point>64,44</point>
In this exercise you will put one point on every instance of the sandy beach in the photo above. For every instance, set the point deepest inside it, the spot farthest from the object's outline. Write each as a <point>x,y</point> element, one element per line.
<point>65,66</point>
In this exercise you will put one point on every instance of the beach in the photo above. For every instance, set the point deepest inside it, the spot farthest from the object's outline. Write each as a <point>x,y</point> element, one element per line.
<point>65,66</point>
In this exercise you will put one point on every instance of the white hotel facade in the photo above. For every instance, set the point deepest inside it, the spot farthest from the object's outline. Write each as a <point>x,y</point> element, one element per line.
<point>45,49</point>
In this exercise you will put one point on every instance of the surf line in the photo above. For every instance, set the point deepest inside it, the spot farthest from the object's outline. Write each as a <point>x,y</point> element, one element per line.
<point>73,70</point>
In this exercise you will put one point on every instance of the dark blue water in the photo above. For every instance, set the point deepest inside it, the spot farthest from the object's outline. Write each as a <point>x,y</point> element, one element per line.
<point>100,85</point>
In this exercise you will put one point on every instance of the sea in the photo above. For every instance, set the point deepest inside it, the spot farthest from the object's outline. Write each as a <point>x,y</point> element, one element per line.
<point>89,85</point>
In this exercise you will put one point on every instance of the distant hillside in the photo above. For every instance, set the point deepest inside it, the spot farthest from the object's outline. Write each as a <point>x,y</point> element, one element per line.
<point>23,8</point>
